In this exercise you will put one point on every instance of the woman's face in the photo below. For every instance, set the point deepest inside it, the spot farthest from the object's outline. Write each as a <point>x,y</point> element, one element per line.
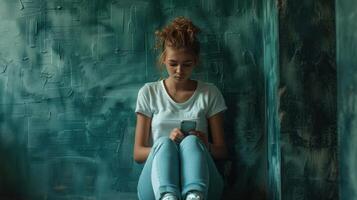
<point>179,63</point>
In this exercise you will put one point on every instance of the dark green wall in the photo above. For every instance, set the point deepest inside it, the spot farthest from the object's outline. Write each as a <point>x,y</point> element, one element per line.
<point>70,71</point>
<point>309,157</point>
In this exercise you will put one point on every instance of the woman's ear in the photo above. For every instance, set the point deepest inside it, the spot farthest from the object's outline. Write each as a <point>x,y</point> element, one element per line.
<point>163,58</point>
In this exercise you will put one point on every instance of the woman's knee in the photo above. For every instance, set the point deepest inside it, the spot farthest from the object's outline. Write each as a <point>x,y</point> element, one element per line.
<point>164,142</point>
<point>190,140</point>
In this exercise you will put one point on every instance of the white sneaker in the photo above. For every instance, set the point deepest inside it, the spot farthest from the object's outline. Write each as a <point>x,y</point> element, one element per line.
<point>194,195</point>
<point>169,196</point>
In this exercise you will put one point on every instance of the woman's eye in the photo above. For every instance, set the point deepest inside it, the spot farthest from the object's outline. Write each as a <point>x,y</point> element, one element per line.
<point>183,65</point>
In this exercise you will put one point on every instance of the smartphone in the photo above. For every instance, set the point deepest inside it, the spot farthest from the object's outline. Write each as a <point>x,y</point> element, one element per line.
<point>187,126</point>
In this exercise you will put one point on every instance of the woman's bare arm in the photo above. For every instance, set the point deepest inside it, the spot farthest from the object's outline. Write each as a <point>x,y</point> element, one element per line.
<point>142,131</point>
<point>218,146</point>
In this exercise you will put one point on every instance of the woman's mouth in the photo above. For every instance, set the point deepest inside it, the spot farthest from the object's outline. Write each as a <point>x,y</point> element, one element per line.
<point>178,77</point>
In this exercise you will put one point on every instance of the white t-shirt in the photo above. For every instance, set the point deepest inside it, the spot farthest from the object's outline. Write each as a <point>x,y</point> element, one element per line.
<point>154,101</point>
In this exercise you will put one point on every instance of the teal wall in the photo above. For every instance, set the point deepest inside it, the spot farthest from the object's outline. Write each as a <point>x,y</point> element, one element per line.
<point>271,82</point>
<point>346,41</point>
<point>70,71</point>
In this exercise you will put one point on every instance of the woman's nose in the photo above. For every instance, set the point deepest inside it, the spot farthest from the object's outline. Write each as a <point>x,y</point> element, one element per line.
<point>178,69</point>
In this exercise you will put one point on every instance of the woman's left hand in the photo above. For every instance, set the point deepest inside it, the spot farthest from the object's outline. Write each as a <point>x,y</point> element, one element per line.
<point>202,136</point>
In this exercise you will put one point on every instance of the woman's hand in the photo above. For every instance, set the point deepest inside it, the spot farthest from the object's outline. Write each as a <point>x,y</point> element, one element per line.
<point>176,135</point>
<point>201,136</point>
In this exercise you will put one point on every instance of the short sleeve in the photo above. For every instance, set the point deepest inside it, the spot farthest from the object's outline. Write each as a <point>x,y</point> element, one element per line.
<point>143,102</point>
<point>216,102</point>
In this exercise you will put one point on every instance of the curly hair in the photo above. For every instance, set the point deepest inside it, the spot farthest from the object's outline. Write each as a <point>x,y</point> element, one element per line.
<point>179,34</point>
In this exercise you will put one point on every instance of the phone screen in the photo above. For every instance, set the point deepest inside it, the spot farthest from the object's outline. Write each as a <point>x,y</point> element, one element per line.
<point>187,126</point>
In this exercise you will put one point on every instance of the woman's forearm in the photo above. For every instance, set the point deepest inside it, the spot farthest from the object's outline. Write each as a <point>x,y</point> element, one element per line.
<point>141,154</point>
<point>218,152</point>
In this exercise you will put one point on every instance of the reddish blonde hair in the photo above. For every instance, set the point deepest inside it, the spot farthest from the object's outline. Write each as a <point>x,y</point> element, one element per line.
<point>179,34</point>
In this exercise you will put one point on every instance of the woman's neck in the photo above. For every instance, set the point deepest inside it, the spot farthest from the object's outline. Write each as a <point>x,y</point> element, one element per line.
<point>180,86</point>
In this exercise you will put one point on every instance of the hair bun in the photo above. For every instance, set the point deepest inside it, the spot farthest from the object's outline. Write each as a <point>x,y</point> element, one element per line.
<point>183,24</point>
<point>180,33</point>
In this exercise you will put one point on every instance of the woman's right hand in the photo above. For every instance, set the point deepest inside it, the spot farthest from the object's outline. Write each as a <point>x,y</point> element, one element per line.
<point>176,135</point>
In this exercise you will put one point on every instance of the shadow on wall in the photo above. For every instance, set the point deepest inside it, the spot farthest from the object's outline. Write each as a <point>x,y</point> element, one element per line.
<point>14,165</point>
<point>245,119</point>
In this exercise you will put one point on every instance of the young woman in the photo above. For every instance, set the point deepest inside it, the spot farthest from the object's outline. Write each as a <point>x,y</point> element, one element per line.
<point>178,164</point>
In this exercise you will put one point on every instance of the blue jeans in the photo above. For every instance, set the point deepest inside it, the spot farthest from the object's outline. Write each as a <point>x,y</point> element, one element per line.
<point>179,168</point>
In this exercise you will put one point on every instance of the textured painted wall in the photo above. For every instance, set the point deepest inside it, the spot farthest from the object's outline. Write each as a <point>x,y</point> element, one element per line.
<point>70,71</point>
<point>271,74</point>
<point>309,164</point>
<point>346,26</point>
